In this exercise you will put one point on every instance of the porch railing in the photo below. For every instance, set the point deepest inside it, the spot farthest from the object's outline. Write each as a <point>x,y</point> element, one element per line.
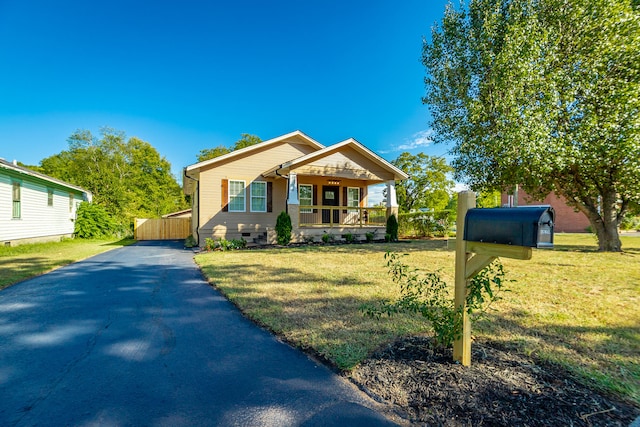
<point>337,216</point>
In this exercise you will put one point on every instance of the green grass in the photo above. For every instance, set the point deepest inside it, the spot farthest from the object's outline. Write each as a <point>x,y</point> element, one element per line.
<point>570,306</point>
<point>21,262</point>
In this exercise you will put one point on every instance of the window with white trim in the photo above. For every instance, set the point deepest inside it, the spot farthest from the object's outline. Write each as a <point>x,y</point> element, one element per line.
<point>258,196</point>
<point>16,198</point>
<point>49,196</point>
<point>305,197</point>
<point>353,197</point>
<point>237,196</point>
<point>70,202</point>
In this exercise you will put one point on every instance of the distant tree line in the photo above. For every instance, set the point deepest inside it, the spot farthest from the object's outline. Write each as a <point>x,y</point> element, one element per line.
<point>127,176</point>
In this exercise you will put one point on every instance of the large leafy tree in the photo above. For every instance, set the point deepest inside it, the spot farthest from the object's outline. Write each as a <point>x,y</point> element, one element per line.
<point>542,93</point>
<point>128,177</point>
<point>428,185</point>
<point>246,140</point>
<point>210,153</point>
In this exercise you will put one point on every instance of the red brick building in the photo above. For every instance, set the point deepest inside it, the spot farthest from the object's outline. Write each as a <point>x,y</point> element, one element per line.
<point>568,220</point>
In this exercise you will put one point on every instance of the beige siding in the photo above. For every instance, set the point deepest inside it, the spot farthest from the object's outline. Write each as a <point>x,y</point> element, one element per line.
<point>214,222</point>
<point>345,164</point>
<point>256,162</point>
<point>232,225</point>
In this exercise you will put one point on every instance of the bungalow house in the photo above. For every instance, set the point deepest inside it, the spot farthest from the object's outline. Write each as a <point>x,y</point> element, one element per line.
<point>323,189</point>
<point>36,207</point>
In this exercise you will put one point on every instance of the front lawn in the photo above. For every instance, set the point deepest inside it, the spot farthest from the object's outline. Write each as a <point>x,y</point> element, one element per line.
<point>571,306</point>
<point>21,262</point>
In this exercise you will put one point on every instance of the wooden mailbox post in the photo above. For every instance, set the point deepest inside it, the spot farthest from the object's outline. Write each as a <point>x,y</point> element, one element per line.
<point>492,233</point>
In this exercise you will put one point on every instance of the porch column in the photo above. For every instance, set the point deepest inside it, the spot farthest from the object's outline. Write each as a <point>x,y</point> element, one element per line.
<point>293,206</point>
<point>392,200</point>
<point>292,195</point>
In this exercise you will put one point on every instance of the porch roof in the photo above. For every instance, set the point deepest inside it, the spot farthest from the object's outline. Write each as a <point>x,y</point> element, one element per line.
<point>313,163</point>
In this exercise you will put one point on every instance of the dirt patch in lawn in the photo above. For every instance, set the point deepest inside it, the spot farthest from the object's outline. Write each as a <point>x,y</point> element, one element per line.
<point>500,388</point>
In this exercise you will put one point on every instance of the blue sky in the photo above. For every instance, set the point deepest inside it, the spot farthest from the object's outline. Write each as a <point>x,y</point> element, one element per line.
<point>190,75</point>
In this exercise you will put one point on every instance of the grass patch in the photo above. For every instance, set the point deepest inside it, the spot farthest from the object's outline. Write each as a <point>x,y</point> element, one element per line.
<point>571,306</point>
<point>22,262</point>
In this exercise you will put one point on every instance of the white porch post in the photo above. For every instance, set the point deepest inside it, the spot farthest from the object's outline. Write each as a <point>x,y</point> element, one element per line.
<point>293,206</point>
<point>392,200</point>
<point>292,195</point>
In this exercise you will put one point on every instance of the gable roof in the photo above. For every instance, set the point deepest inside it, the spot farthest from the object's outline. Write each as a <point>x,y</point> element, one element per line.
<point>42,177</point>
<point>284,168</point>
<point>261,145</point>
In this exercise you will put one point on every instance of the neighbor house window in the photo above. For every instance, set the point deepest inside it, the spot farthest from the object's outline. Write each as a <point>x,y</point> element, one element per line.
<point>236,196</point>
<point>16,200</point>
<point>49,197</point>
<point>258,196</point>
<point>306,197</point>
<point>353,197</point>
<point>70,202</point>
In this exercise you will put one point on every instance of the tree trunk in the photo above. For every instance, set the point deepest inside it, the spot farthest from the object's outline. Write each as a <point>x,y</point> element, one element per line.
<point>608,238</point>
<point>605,222</point>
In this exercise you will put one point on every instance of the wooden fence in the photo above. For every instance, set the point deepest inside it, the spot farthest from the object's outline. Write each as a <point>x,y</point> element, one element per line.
<point>162,228</point>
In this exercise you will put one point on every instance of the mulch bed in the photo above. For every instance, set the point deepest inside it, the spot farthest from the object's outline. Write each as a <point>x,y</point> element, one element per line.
<point>425,387</point>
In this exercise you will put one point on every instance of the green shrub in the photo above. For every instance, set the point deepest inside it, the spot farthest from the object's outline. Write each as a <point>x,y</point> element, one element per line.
<point>630,223</point>
<point>309,239</point>
<point>328,238</point>
<point>369,236</point>
<point>349,238</point>
<point>190,242</point>
<point>224,244</point>
<point>428,295</point>
<point>424,224</point>
<point>240,243</point>
<point>93,221</point>
<point>392,228</point>
<point>209,244</point>
<point>283,228</point>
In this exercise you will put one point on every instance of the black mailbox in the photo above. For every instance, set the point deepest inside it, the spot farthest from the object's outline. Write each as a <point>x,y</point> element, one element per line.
<point>530,226</point>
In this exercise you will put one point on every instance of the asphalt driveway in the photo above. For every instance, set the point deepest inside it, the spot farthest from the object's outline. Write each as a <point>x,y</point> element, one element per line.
<point>135,336</point>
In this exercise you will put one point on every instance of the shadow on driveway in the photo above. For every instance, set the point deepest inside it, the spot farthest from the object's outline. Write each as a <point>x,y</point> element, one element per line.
<point>135,336</point>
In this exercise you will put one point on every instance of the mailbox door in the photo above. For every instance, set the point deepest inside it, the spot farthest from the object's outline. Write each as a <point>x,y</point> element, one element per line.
<point>545,230</point>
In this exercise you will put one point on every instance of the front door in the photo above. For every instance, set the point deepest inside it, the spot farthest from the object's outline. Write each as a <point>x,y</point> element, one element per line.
<point>330,196</point>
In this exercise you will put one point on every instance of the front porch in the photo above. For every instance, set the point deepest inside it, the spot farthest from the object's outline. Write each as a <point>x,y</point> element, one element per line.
<point>328,192</point>
<point>332,216</point>
<point>337,223</point>
<point>344,212</point>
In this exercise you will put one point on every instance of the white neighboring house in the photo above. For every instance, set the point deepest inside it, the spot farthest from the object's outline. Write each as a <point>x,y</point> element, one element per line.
<point>35,207</point>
